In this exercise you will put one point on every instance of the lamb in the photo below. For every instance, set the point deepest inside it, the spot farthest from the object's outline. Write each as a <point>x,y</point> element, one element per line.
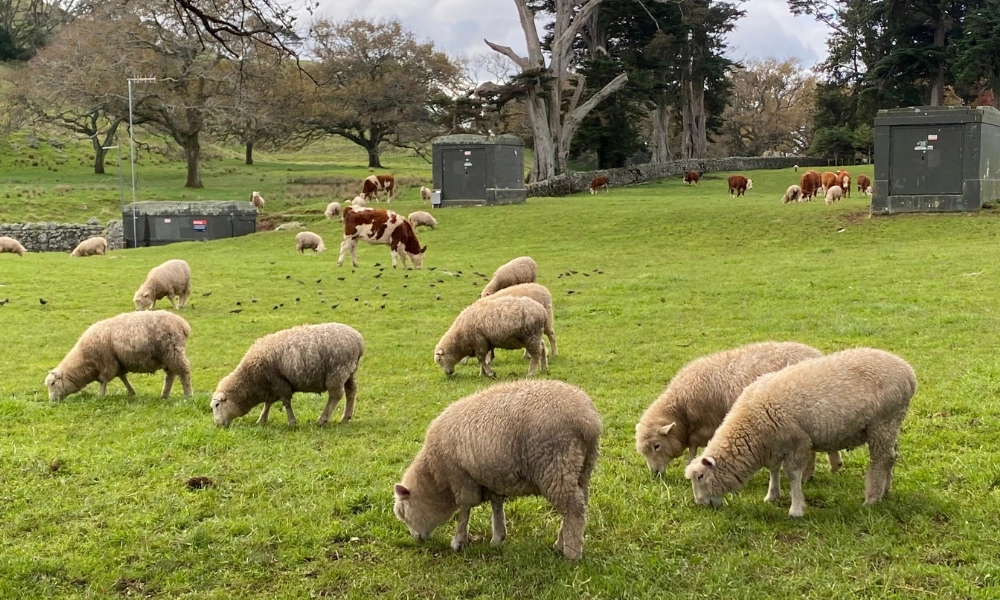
<point>136,342</point>
<point>422,218</point>
<point>507,323</point>
<point>512,439</point>
<point>307,240</point>
<point>792,194</point>
<point>540,294</point>
<point>522,269</point>
<point>825,404</point>
<point>91,246</point>
<point>332,210</point>
<point>257,200</point>
<point>169,280</point>
<point>9,244</point>
<point>309,358</point>
<point>833,194</point>
<point>425,194</point>
<point>358,202</point>
<point>698,397</point>
<point>796,167</point>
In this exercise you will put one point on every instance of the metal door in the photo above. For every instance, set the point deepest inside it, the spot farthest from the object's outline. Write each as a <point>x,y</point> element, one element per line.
<point>926,161</point>
<point>463,175</point>
<point>944,160</point>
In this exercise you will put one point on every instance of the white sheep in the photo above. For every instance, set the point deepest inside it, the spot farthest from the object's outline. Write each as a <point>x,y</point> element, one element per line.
<point>792,194</point>
<point>540,294</point>
<point>422,218</point>
<point>513,439</point>
<point>257,200</point>
<point>698,397</point>
<point>308,358</point>
<point>796,167</point>
<point>425,194</point>
<point>169,280</point>
<point>307,240</point>
<point>136,342</point>
<point>332,210</point>
<point>506,323</point>
<point>91,246</point>
<point>825,404</point>
<point>358,202</point>
<point>9,244</point>
<point>833,194</point>
<point>520,270</point>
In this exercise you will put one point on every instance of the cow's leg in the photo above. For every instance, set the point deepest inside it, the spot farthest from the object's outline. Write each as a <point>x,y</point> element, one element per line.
<point>344,246</point>
<point>395,254</point>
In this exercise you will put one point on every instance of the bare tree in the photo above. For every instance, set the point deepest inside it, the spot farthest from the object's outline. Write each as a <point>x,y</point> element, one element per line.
<point>770,108</point>
<point>27,25</point>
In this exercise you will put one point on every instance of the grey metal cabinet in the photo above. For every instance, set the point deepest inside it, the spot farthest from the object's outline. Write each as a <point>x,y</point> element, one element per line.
<point>160,223</point>
<point>476,170</point>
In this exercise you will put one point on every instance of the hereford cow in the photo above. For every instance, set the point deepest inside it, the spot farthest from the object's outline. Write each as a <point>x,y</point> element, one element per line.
<point>844,181</point>
<point>810,184</point>
<point>598,183</point>
<point>692,177</point>
<point>377,226</point>
<point>371,186</point>
<point>864,185</point>
<point>739,185</point>
<point>828,180</point>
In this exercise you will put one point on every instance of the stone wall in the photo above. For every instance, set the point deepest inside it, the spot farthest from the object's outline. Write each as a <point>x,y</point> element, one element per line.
<point>569,183</point>
<point>62,237</point>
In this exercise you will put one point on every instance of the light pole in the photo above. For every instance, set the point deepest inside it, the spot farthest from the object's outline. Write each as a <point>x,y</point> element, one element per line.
<point>131,144</point>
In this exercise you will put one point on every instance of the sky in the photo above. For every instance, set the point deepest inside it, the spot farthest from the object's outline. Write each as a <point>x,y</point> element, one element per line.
<point>459,26</point>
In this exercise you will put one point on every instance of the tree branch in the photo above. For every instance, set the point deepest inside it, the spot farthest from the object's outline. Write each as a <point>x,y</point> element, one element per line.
<point>509,53</point>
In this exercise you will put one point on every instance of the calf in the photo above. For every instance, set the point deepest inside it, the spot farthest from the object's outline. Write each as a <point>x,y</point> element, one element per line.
<point>692,177</point>
<point>371,186</point>
<point>739,185</point>
<point>828,180</point>
<point>844,181</point>
<point>378,226</point>
<point>864,184</point>
<point>810,184</point>
<point>598,183</point>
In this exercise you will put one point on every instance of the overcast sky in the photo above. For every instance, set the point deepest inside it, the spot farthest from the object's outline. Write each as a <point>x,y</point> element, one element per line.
<point>459,26</point>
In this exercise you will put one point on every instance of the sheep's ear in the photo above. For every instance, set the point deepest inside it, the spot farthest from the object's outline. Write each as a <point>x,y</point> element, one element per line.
<point>666,428</point>
<point>401,491</point>
<point>708,461</point>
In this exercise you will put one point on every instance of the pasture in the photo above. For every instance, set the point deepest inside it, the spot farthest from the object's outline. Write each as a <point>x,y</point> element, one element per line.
<point>93,495</point>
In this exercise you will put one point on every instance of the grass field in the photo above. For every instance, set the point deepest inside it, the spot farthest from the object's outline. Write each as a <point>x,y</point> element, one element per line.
<point>93,501</point>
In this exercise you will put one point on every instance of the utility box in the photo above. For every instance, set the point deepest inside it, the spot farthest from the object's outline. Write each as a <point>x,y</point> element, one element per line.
<point>936,159</point>
<point>473,170</point>
<point>160,223</point>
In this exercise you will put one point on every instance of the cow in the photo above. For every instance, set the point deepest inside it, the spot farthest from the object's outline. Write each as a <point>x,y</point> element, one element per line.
<point>377,226</point>
<point>810,184</point>
<point>844,181</point>
<point>864,185</point>
<point>739,185</point>
<point>598,183</point>
<point>371,186</point>
<point>692,177</point>
<point>828,180</point>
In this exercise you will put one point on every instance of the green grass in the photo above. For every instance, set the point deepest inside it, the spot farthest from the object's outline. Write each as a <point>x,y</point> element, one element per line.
<point>302,511</point>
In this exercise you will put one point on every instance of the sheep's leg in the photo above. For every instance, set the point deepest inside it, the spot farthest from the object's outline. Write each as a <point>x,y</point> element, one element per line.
<point>128,386</point>
<point>882,452</point>
<point>103,389</point>
<point>262,419</point>
<point>173,303</point>
<point>335,391</point>
<point>774,486</point>
<point>168,383</point>
<point>692,453</point>
<point>551,334</point>
<point>810,467</point>
<point>462,529</point>
<point>499,521</point>
<point>795,466</point>
<point>288,411</point>
<point>185,293</point>
<point>573,509</point>
<point>835,461</point>
<point>482,355</point>
<point>351,387</point>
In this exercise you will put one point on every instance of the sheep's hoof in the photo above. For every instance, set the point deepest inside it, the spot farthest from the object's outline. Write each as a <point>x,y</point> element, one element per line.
<point>457,544</point>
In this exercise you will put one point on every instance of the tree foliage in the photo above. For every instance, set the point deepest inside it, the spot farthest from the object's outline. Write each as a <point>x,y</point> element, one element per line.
<point>770,108</point>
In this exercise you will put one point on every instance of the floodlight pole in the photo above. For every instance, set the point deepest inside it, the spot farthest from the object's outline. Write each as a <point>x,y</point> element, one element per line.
<point>121,178</point>
<point>131,144</point>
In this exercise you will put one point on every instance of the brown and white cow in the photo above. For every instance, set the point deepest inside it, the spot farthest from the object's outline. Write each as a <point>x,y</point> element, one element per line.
<point>844,181</point>
<point>377,226</point>
<point>810,182</point>
<point>600,182</point>
<point>864,184</point>
<point>739,185</point>
<point>828,180</point>
<point>371,186</point>
<point>692,177</point>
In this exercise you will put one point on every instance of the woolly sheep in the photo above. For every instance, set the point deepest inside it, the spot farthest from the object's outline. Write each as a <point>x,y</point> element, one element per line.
<point>257,200</point>
<point>332,210</point>
<point>512,439</point>
<point>698,397</point>
<point>91,246</point>
<point>425,194</point>
<point>520,270</point>
<point>308,358</point>
<point>169,280</point>
<point>9,244</point>
<point>358,202</point>
<point>135,342</point>
<point>540,294</point>
<point>506,323</point>
<point>792,194</point>
<point>833,194</point>
<point>796,167</point>
<point>422,218</point>
<point>307,240</point>
<point>825,404</point>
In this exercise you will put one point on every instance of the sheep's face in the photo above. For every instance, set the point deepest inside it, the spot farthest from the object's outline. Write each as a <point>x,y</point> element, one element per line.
<point>59,387</point>
<point>224,409</point>
<point>422,513</point>
<point>445,360</point>
<point>659,445</point>
<point>706,482</point>
<point>143,300</point>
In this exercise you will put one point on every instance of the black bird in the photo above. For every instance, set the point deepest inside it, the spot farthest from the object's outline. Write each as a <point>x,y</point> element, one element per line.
<point>319,281</point>
<point>5,301</point>
<point>355,298</point>
<point>340,279</point>
<point>296,299</point>
<point>43,301</point>
<point>431,268</point>
<point>236,311</point>
<point>254,300</point>
<point>378,264</point>
<point>206,294</point>
<point>239,303</point>
<point>300,282</point>
<point>288,276</point>
<point>378,275</point>
<point>384,294</point>
<point>275,307</point>
<point>383,306</point>
<point>334,306</point>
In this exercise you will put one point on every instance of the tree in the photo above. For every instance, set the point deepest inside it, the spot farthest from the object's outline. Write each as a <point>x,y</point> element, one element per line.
<point>977,52</point>
<point>833,142</point>
<point>376,83</point>
<point>770,108</point>
<point>27,25</point>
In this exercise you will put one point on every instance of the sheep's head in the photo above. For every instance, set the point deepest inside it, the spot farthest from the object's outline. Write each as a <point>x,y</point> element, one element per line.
<point>659,444</point>
<point>59,386</point>
<point>707,483</point>
<point>446,360</point>
<point>143,300</point>
<point>225,407</point>
<point>420,511</point>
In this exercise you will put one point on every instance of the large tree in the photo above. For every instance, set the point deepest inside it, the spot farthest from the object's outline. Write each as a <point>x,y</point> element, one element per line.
<point>27,25</point>
<point>770,108</point>
<point>977,52</point>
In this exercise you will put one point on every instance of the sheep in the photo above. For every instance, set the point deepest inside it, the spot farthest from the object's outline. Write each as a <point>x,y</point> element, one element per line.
<point>422,218</point>
<point>796,167</point>
<point>91,246</point>
<point>9,244</point>
<point>520,270</point>
<point>169,280</point>
<point>792,194</point>
<point>698,397</point>
<point>135,342</point>
<point>257,200</point>
<point>825,404</point>
<point>833,194</point>
<point>425,194</point>
<point>308,358</point>
<point>540,294</point>
<point>358,202</point>
<point>513,439</point>
<point>332,210</point>
<point>508,323</point>
<point>307,240</point>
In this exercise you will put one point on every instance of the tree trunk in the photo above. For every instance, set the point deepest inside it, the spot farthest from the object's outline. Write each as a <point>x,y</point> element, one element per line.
<point>937,86</point>
<point>249,153</point>
<point>694,138</point>
<point>374,161</point>
<point>660,116</point>
<point>192,151</point>
<point>99,154</point>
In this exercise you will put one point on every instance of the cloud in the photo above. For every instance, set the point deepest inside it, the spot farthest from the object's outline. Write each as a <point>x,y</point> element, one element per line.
<point>770,30</point>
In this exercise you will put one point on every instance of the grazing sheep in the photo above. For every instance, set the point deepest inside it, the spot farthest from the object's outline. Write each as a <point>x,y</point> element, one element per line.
<point>169,280</point>
<point>540,294</point>
<point>522,269</point>
<point>425,194</point>
<point>422,218</point>
<point>309,358</point>
<point>289,226</point>
<point>796,167</point>
<point>91,246</point>
<point>833,194</point>
<point>864,185</point>
<point>825,404</point>
<point>506,323</point>
<point>513,439</point>
<point>688,412</point>
<point>257,200</point>
<point>307,240</point>
<point>9,244</point>
<point>136,342</point>
<point>792,194</point>
<point>332,210</point>
<point>358,202</point>
<point>738,185</point>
